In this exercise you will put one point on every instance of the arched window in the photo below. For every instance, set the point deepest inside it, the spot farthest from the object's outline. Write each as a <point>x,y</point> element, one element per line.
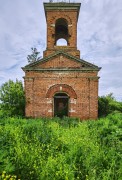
<point>61,30</point>
<point>61,42</point>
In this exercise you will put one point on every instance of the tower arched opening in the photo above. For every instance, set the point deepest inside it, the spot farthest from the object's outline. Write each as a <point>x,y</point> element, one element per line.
<point>61,30</point>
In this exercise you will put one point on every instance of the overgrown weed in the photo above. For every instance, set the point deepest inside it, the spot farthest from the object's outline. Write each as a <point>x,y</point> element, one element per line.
<point>61,148</point>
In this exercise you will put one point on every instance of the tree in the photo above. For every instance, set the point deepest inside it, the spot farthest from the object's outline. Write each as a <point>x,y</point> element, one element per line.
<point>103,106</point>
<point>34,56</point>
<point>12,98</point>
<point>108,104</point>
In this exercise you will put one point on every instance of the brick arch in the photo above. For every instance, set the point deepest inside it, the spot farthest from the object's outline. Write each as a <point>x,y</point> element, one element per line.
<point>61,88</point>
<point>64,16</point>
<point>68,19</point>
<point>54,18</point>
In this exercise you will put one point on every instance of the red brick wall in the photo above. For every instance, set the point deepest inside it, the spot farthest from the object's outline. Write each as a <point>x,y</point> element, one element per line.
<point>72,51</point>
<point>60,62</point>
<point>71,17</point>
<point>85,85</point>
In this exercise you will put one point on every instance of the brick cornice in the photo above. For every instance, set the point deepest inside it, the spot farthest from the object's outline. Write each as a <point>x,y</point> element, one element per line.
<point>59,70</point>
<point>62,6</point>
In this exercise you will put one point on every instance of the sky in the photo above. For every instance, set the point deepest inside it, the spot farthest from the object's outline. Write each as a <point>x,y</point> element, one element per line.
<point>23,25</point>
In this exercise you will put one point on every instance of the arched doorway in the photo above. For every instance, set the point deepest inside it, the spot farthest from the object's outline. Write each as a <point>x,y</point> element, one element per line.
<point>61,105</point>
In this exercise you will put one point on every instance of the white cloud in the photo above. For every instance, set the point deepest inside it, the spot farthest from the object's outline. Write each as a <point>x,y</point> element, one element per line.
<point>100,34</point>
<point>22,27</point>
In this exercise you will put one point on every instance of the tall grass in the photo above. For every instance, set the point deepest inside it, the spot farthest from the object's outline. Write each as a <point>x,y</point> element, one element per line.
<point>46,149</point>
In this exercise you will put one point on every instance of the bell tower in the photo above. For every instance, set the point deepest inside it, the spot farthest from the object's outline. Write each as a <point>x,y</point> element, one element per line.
<point>61,84</point>
<point>61,19</point>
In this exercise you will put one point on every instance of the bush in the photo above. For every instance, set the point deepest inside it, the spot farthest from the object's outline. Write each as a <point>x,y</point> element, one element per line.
<point>107,105</point>
<point>12,98</point>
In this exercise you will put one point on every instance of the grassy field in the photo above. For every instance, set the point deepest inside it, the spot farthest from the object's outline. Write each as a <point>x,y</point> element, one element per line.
<point>54,149</point>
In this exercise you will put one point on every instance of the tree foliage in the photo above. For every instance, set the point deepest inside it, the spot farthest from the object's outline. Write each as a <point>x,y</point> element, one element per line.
<point>108,104</point>
<point>34,56</point>
<point>12,98</point>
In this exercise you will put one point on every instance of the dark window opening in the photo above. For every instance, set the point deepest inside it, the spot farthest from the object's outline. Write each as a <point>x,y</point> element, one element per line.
<point>61,30</point>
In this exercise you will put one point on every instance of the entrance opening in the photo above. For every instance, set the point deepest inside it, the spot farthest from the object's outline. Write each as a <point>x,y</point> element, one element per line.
<point>61,101</point>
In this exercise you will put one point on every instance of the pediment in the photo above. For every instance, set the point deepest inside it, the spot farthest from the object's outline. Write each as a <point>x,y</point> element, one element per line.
<point>60,60</point>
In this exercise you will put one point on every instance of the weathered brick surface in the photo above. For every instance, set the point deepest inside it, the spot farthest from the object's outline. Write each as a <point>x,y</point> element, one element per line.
<point>60,62</point>
<point>85,85</point>
<point>72,51</point>
<point>55,76</point>
<point>71,16</point>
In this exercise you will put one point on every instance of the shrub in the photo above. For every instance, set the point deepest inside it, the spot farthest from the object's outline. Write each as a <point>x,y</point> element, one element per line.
<point>12,98</point>
<point>107,105</point>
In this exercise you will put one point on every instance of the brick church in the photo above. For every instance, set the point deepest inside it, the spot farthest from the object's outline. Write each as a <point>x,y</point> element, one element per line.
<point>61,84</point>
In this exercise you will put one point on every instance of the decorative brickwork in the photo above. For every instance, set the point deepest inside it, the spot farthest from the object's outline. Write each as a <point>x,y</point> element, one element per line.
<point>61,78</point>
<point>61,88</point>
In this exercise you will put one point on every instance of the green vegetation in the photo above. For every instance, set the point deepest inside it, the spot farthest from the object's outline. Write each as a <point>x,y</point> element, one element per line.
<point>12,99</point>
<point>58,149</point>
<point>108,104</point>
<point>34,56</point>
<point>46,149</point>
